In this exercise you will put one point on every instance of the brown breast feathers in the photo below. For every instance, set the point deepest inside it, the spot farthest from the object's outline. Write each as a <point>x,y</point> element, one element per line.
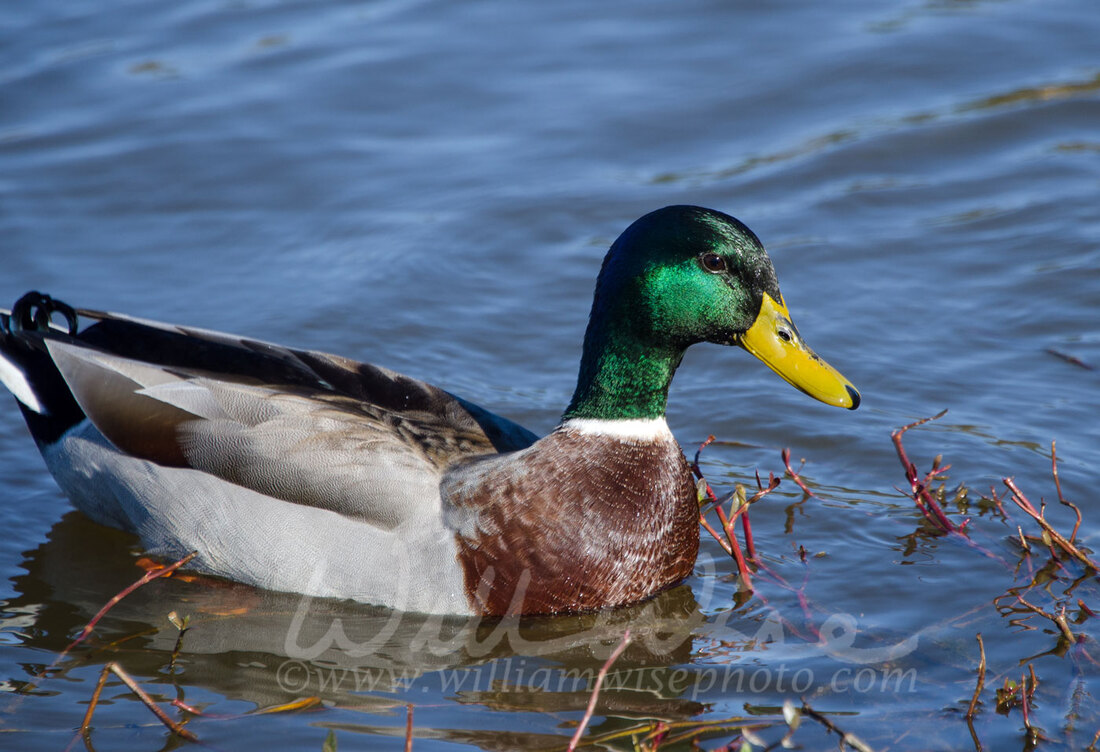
<point>577,522</point>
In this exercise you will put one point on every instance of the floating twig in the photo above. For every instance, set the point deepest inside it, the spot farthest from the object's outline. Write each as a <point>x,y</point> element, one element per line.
<point>1056,538</point>
<point>845,738</point>
<point>596,690</point>
<point>1072,359</point>
<point>1059,620</point>
<point>144,580</point>
<point>117,670</point>
<point>408,727</point>
<point>302,703</point>
<point>676,732</point>
<point>1058,488</point>
<point>981,679</point>
<point>193,710</point>
<point>87,722</point>
<point>87,630</point>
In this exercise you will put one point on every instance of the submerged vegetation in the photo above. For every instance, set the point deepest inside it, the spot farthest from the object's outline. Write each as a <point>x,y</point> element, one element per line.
<point>1045,559</point>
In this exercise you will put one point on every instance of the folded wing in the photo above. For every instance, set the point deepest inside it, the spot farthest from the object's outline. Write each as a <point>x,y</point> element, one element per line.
<point>305,427</point>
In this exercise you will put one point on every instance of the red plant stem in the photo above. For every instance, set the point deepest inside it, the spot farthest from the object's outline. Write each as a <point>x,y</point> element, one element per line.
<point>118,671</point>
<point>1061,498</point>
<point>699,451</point>
<point>981,680</point>
<point>187,708</point>
<point>658,736</point>
<point>727,525</point>
<point>750,543</point>
<point>773,483</point>
<point>706,524</point>
<point>742,567</point>
<point>87,722</point>
<point>925,501</point>
<point>1023,503</point>
<point>409,728</point>
<point>732,548</point>
<point>148,577</point>
<point>997,501</point>
<point>727,522</point>
<point>596,690</point>
<point>711,496</point>
<point>786,454</point>
<point>1059,620</point>
<point>750,546</point>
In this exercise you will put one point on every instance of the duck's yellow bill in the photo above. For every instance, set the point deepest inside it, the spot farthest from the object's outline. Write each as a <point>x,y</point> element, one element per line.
<point>776,341</point>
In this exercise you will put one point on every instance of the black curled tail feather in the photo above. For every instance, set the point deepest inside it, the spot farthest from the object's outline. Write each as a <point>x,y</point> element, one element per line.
<point>23,334</point>
<point>34,312</point>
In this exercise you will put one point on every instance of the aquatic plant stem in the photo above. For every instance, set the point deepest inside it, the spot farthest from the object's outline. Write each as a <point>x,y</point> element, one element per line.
<point>845,738</point>
<point>596,690</point>
<point>981,680</point>
<point>786,454</point>
<point>1058,488</point>
<point>761,492</point>
<point>181,626</point>
<point>927,503</point>
<point>86,723</point>
<point>1059,620</point>
<point>87,630</point>
<point>746,528</point>
<point>731,536</point>
<point>144,580</point>
<point>117,670</point>
<point>732,547</point>
<point>1023,503</point>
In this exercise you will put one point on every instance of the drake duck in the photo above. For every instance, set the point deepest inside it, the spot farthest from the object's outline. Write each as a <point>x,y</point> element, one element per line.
<point>306,472</point>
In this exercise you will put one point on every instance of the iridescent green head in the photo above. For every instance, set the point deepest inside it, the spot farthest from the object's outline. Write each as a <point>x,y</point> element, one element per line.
<point>678,276</point>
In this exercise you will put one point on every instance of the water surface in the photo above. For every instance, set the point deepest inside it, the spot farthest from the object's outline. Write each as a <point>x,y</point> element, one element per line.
<point>431,186</point>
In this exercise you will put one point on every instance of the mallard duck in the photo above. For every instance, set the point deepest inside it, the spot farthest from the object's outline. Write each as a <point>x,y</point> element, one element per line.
<point>306,472</point>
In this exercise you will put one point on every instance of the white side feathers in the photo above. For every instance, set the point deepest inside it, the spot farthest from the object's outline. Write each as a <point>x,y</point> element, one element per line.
<point>15,380</point>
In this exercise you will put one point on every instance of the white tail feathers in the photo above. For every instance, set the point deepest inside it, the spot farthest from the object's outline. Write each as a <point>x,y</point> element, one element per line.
<point>12,376</point>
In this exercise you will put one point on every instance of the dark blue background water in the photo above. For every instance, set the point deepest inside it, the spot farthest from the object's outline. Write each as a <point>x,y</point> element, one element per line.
<point>431,186</point>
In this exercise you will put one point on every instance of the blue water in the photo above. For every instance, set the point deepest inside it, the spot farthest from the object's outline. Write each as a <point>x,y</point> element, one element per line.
<point>431,187</point>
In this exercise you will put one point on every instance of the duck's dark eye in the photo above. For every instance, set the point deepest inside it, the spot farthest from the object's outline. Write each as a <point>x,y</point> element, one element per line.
<point>712,262</point>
